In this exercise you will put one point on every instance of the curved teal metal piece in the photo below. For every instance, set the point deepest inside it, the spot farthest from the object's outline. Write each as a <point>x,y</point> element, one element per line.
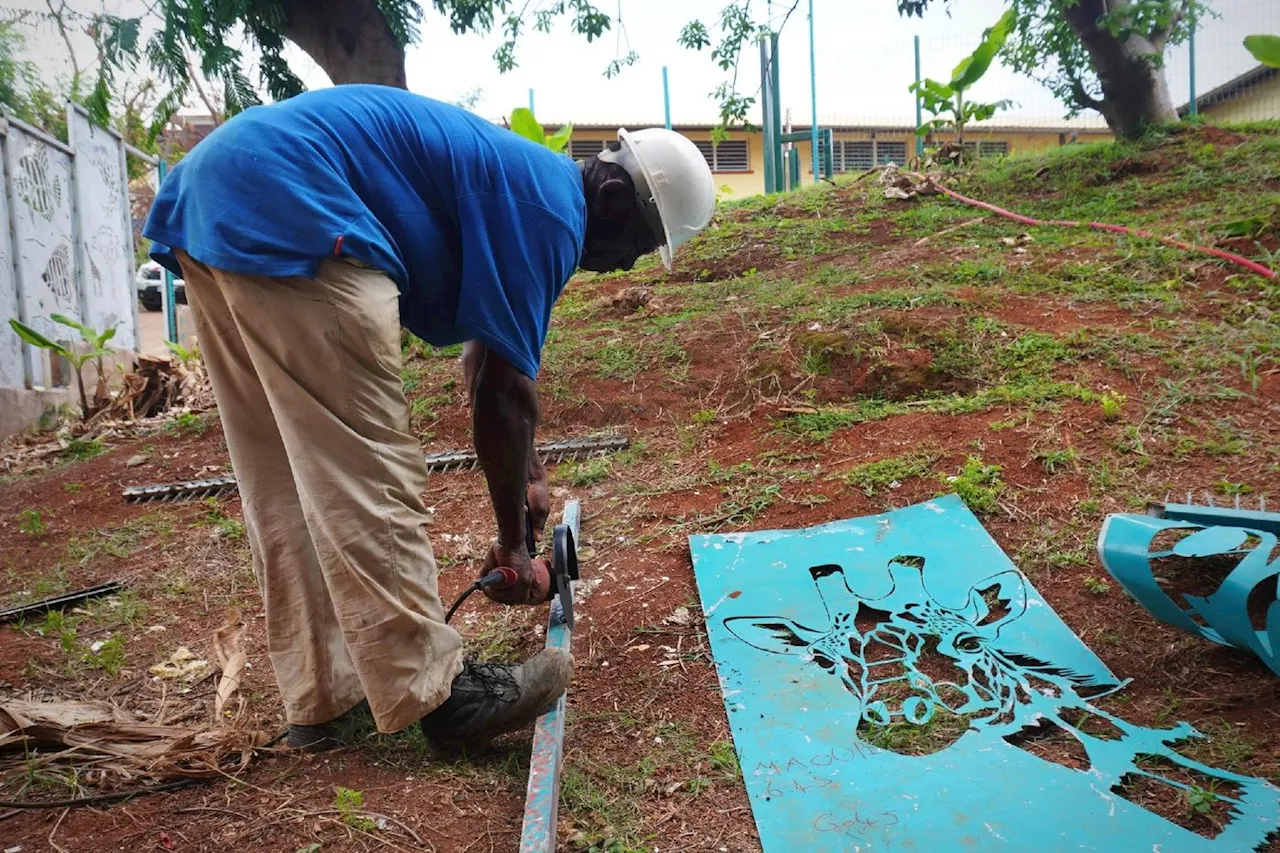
<point>845,651</point>
<point>542,801</point>
<point>1126,547</point>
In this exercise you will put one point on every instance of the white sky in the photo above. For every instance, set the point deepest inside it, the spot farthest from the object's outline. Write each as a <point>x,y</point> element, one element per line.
<point>863,56</point>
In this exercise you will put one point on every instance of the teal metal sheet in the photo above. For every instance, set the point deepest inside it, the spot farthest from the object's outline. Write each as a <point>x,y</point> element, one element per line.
<point>843,648</point>
<point>1127,547</point>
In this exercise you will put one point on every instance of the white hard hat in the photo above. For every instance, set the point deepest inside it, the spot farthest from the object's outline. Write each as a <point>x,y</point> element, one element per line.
<point>670,174</point>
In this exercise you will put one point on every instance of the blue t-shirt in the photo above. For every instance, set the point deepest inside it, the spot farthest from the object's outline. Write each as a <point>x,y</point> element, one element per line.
<point>478,227</point>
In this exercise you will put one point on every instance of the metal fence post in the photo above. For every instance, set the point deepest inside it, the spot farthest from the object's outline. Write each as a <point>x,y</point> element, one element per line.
<point>919,104</point>
<point>775,94</point>
<point>813,97</point>
<point>766,118</point>
<point>531,101</point>
<point>666,98</point>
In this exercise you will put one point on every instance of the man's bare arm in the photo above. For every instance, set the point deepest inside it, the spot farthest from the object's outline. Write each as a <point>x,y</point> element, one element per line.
<point>504,415</point>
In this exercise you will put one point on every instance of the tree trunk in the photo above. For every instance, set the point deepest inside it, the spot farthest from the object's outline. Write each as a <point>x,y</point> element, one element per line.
<point>349,39</point>
<point>1135,93</point>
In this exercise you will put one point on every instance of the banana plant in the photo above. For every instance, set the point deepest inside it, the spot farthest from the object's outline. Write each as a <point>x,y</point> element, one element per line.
<point>523,123</point>
<point>1265,49</point>
<point>941,98</point>
<point>93,349</point>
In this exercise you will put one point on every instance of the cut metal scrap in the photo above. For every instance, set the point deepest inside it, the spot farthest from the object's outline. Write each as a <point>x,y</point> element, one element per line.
<point>450,460</point>
<point>549,453</point>
<point>186,490</point>
<point>59,602</point>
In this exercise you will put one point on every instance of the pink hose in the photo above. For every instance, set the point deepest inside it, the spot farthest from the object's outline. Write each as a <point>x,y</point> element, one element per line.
<point>1252,266</point>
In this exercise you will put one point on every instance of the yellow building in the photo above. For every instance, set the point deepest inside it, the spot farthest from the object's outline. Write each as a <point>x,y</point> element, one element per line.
<point>1253,96</point>
<point>738,161</point>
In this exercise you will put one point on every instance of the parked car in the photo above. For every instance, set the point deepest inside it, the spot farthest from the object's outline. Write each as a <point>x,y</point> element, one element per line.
<point>150,280</point>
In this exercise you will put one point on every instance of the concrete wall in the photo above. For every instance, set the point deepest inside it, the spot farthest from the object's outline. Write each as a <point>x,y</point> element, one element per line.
<point>1254,104</point>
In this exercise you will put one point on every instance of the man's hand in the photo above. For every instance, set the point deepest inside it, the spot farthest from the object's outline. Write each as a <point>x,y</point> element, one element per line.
<point>533,584</point>
<point>538,495</point>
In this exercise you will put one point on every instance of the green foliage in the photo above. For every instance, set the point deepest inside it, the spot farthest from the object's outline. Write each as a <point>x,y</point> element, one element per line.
<point>94,348</point>
<point>1096,585</point>
<point>1200,800</point>
<point>188,356</point>
<point>31,523</point>
<point>1056,460</point>
<point>588,473</point>
<point>873,477</point>
<point>1045,47</point>
<point>1112,406</point>
<point>186,423</point>
<point>978,485</point>
<point>349,804</point>
<point>939,98</point>
<point>1265,49</point>
<point>216,516</point>
<point>81,449</point>
<point>524,123</point>
<point>109,656</point>
<point>23,94</point>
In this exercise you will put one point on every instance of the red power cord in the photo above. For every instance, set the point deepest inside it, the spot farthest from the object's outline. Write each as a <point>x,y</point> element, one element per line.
<point>1240,260</point>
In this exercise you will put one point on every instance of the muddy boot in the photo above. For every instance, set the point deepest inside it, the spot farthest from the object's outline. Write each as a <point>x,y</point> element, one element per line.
<point>490,699</point>
<point>336,733</point>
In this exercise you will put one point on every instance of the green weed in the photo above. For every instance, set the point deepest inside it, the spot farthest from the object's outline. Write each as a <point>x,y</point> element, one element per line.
<point>31,523</point>
<point>216,516</point>
<point>1112,406</point>
<point>1096,586</point>
<point>1056,460</point>
<point>108,656</point>
<point>349,804</point>
<point>704,417</point>
<point>72,488</point>
<point>186,423</point>
<point>873,477</point>
<point>586,473</point>
<point>978,485</point>
<point>81,449</point>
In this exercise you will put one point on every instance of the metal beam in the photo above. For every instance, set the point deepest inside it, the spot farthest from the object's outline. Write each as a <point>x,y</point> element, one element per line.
<point>542,803</point>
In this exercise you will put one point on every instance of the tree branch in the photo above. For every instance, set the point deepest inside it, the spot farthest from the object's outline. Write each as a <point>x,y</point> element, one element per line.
<point>1160,35</point>
<point>60,22</point>
<point>1081,97</point>
<point>214,112</point>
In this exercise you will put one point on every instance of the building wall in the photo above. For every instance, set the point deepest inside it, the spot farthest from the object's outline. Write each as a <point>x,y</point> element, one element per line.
<point>733,185</point>
<point>1254,104</point>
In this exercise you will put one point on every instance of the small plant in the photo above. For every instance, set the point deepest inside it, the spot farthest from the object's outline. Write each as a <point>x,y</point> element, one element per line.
<point>72,488</point>
<point>1112,406</point>
<point>1056,460</point>
<point>588,473</point>
<point>186,423</point>
<point>523,123</point>
<point>723,757</point>
<point>1200,800</point>
<point>94,349</point>
<point>873,477</point>
<point>704,417</point>
<point>940,98</point>
<point>58,625</point>
<point>31,523</point>
<point>80,449</point>
<point>230,528</point>
<point>107,655</point>
<point>978,485</point>
<point>188,357</point>
<point>350,806</point>
<point>1097,586</point>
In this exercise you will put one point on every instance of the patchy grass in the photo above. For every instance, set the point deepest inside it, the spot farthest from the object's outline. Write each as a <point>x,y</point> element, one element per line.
<point>875,477</point>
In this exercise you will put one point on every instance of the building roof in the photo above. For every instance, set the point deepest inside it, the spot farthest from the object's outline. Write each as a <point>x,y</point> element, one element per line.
<point>1233,88</point>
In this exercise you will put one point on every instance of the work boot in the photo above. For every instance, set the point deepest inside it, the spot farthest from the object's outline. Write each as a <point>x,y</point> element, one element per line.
<point>323,737</point>
<point>490,699</point>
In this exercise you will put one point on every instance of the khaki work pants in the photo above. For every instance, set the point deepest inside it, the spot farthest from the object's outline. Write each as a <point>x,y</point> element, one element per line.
<point>307,377</point>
